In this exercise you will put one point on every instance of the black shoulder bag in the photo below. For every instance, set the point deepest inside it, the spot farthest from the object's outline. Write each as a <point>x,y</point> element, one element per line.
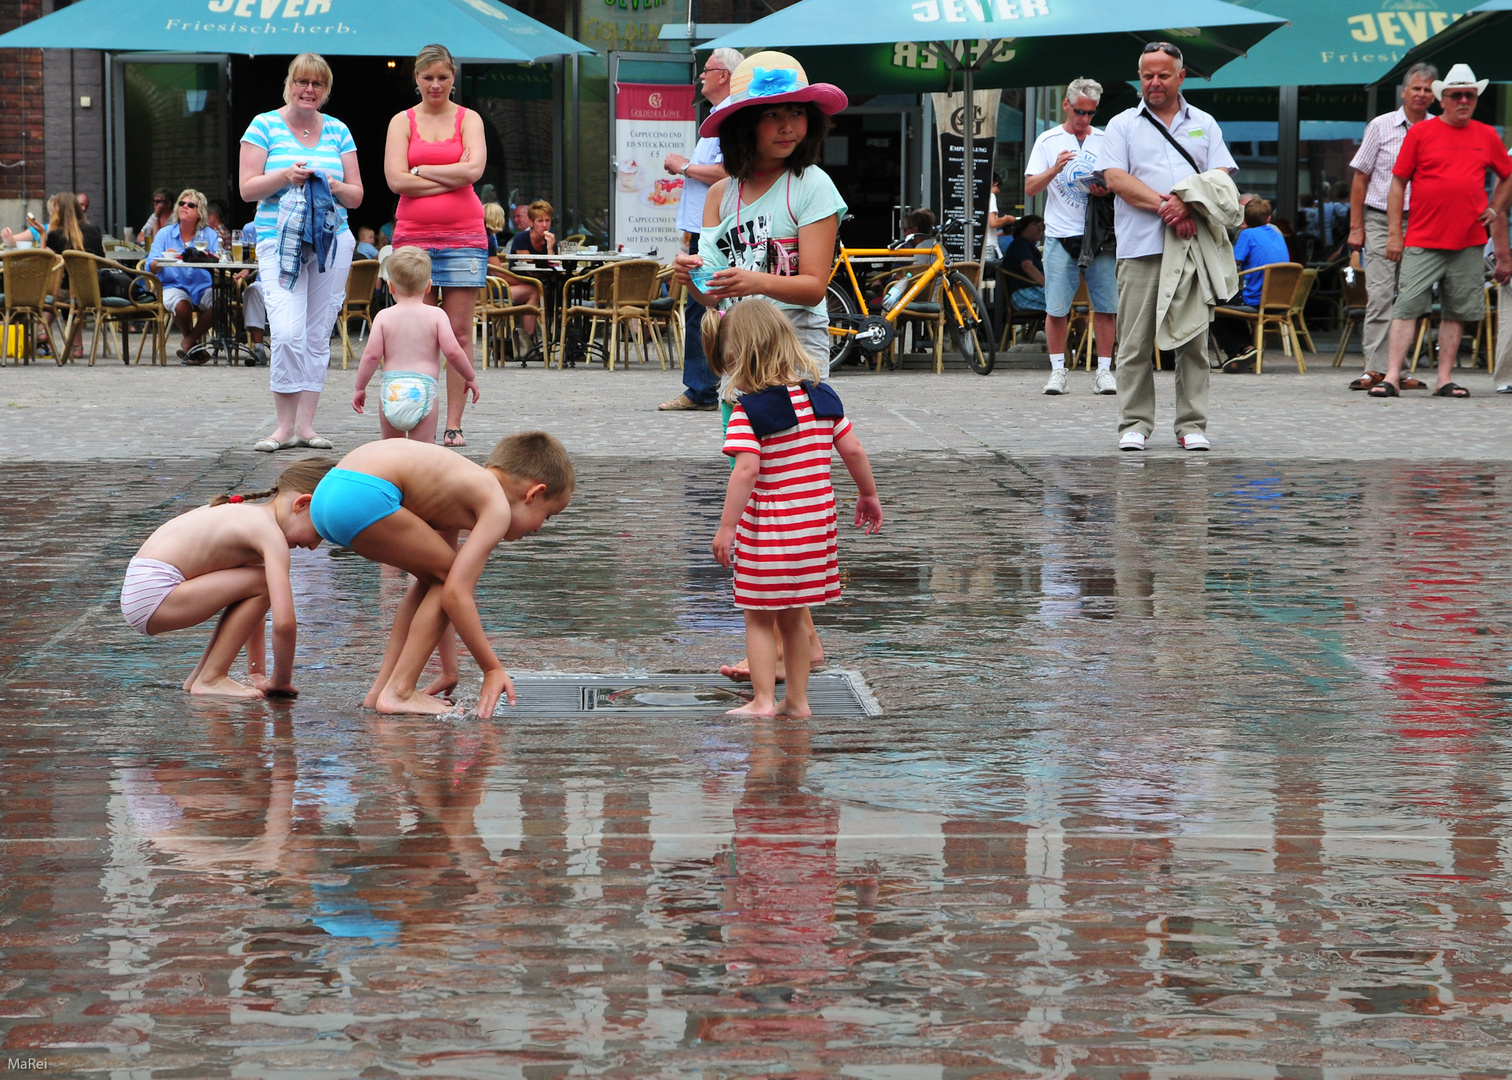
<point>1167,136</point>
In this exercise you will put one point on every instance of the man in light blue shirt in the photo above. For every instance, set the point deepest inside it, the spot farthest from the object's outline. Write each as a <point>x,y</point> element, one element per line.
<point>700,172</point>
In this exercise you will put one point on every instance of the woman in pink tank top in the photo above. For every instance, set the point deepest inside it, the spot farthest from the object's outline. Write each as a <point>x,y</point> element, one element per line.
<point>434,155</point>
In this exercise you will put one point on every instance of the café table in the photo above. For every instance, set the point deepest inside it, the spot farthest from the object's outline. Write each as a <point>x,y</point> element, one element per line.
<point>222,336</point>
<point>554,271</point>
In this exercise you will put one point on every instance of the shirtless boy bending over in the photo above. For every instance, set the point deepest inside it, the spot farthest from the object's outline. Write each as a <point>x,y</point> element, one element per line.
<point>403,503</point>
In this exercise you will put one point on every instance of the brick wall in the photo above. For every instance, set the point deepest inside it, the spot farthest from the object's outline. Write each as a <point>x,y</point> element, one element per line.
<point>22,108</point>
<point>74,155</point>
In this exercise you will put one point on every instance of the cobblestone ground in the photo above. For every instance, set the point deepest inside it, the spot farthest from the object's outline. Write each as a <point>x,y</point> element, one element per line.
<point>1188,765</point>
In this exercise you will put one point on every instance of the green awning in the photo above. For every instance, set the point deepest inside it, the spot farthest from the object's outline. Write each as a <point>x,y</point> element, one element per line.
<point>474,30</point>
<point>901,46</point>
<point>1335,42</point>
<point>1482,39</point>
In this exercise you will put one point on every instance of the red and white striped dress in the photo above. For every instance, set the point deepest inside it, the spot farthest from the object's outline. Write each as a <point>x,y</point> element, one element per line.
<point>786,545</point>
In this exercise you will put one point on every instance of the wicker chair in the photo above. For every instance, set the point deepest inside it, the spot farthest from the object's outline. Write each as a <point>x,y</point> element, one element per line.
<point>621,295</point>
<point>31,281</point>
<point>362,279</point>
<point>1278,294</point>
<point>499,314</point>
<point>85,301</point>
<point>1354,299</point>
<point>667,312</point>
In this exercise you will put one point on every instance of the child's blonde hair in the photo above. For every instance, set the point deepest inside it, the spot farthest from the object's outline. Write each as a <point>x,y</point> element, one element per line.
<point>752,345</point>
<point>494,217</point>
<point>537,456</point>
<point>300,477</point>
<point>409,271</point>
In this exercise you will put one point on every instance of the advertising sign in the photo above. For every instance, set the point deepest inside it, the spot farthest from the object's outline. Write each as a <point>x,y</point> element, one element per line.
<point>950,120</point>
<point>650,122</point>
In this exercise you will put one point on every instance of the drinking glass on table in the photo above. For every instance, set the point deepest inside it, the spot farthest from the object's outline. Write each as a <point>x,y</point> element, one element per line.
<point>236,251</point>
<point>202,246</point>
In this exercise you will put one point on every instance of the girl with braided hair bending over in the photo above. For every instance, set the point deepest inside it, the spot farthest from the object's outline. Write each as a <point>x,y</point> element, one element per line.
<point>230,557</point>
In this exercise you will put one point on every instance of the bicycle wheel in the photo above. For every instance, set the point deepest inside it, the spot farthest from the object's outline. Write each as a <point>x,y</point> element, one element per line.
<point>843,312</point>
<point>971,331</point>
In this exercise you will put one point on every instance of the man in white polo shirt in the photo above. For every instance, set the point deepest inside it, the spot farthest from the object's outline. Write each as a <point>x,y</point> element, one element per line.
<point>1146,151</point>
<point>1061,165</point>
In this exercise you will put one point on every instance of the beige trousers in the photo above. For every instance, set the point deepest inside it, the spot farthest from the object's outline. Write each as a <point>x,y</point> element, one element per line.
<point>1380,288</point>
<point>1138,289</point>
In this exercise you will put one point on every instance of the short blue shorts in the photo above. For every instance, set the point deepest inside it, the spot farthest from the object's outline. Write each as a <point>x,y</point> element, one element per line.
<point>459,268</point>
<point>1062,276</point>
<point>346,502</point>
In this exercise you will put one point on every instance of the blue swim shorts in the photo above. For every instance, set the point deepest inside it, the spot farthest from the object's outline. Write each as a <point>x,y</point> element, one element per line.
<point>347,502</point>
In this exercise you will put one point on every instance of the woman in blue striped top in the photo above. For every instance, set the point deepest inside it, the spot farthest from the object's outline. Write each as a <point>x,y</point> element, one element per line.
<point>279,152</point>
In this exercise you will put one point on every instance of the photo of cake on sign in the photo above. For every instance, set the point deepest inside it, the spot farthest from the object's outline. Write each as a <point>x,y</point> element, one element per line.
<point>666,192</point>
<point>630,176</point>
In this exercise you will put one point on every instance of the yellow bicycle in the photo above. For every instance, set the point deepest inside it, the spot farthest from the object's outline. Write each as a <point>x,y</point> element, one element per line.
<point>872,327</point>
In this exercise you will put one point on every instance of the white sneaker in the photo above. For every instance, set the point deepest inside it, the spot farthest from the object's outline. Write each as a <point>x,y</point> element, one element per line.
<point>1057,383</point>
<point>1194,440</point>
<point>1504,388</point>
<point>1131,440</point>
<point>1104,382</point>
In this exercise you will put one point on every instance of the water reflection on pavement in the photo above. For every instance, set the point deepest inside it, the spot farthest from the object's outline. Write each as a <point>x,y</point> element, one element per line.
<point>1187,769</point>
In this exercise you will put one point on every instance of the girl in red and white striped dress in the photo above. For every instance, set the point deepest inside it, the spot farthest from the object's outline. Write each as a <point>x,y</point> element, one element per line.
<point>778,528</point>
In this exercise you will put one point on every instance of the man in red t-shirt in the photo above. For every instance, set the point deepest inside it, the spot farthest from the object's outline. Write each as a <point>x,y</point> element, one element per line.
<point>1445,159</point>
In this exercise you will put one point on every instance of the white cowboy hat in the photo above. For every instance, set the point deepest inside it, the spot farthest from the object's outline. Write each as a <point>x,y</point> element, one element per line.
<point>1459,75</point>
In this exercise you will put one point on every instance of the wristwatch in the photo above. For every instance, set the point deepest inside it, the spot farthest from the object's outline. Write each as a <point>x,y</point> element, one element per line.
<point>414,170</point>
<point>685,167</point>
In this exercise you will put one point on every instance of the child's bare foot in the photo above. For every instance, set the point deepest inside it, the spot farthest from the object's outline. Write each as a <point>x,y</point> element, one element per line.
<point>740,671</point>
<point>412,703</point>
<point>756,707</point>
<point>441,686</point>
<point>789,707</point>
<point>225,686</point>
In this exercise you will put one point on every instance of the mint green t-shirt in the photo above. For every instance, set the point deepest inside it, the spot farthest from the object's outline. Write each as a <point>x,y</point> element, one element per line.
<point>765,238</point>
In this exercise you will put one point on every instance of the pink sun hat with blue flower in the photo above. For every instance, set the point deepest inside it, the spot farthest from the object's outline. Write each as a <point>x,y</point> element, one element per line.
<point>770,78</point>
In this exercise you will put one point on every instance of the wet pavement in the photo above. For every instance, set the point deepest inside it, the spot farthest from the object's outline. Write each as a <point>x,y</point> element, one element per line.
<point>1188,766</point>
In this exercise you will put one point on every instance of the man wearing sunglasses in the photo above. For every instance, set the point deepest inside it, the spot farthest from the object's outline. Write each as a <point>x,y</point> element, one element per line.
<point>1061,165</point>
<point>1445,159</point>
<point>1146,152</point>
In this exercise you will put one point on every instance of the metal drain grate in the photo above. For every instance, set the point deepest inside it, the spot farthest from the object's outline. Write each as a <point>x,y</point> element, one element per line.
<point>841,693</point>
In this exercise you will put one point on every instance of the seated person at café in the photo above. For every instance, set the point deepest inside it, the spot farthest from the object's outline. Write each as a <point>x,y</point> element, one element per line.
<point>32,234</point>
<point>215,218</point>
<point>186,288</point>
<point>538,239</point>
<point>1259,244</point>
<point>494,220</point>
<point>68,231</point>
<point>367,243</point>
<point>162,214</point>
<point>1026,290</point>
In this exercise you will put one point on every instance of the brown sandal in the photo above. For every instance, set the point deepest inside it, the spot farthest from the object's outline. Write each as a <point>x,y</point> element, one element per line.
<point>1367,380</point>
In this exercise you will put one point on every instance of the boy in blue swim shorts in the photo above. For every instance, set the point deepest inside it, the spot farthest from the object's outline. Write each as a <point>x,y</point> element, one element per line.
<point>404,503</point>
<point>406,340</point>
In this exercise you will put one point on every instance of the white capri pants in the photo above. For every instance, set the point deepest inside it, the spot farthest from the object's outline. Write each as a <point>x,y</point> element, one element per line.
<point>254,311</point>
<point>300,322</point>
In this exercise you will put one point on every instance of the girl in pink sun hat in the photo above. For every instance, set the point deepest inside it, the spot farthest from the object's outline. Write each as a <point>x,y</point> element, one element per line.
<point>769,229</point>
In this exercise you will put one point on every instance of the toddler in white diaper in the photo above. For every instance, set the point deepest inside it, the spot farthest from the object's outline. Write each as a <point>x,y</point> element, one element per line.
<point>408,340</point>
